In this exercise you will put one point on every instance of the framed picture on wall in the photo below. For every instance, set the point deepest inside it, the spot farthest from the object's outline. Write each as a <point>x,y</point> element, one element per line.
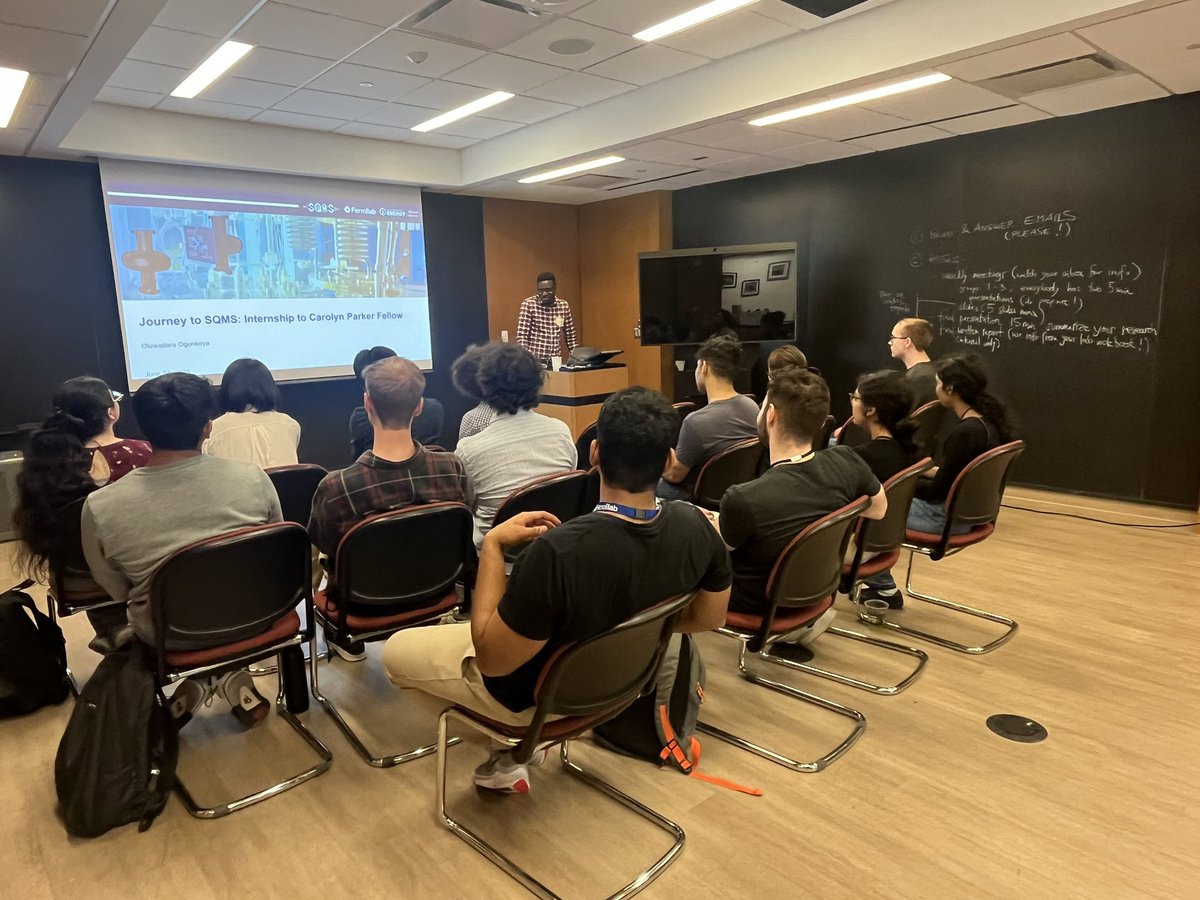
<point>729,280</point>
<point>750,287</point>
<point>779,271</point>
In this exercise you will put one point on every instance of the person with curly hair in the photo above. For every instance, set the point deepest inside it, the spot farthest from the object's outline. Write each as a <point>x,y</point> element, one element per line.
<point>465,375</point>
<point>520,444</point>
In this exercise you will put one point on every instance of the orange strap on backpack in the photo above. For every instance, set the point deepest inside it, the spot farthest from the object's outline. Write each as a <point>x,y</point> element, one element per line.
<point>691,767</point>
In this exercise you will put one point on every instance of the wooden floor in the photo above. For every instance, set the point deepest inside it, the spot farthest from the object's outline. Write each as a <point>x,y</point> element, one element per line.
<point>929,803</point>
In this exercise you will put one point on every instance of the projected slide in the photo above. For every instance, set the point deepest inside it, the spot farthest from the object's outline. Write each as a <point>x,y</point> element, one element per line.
<point>213,265</point>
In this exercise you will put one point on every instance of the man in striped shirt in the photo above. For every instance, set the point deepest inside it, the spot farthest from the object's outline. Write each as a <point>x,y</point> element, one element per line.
<point>545,321</point>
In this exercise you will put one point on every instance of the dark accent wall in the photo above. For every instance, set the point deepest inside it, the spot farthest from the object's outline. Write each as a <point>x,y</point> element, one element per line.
<point>60,318</point>
<point>1043,248</point>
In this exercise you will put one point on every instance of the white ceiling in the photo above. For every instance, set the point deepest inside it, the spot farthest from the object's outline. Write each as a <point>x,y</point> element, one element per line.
<point>333,87</point>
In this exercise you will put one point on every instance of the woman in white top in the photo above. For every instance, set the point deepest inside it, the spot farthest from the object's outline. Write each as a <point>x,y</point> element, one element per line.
<point>250,427</point>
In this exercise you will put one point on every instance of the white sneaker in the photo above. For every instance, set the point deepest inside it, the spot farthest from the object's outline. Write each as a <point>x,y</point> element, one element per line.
<point>817,628</point>
<point>502,773</point>
<point>248,706</point>
<point>189,697</point>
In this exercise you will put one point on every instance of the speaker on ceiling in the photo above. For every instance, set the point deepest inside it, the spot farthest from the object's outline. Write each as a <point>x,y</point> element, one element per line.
<point>824,8</point>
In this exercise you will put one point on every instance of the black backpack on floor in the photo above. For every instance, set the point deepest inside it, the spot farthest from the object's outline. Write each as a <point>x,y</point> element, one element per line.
<point>116,760</point>
<point>33,656</point>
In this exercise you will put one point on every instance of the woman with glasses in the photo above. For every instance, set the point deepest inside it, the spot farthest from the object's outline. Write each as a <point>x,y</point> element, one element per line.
<point>880,405</point>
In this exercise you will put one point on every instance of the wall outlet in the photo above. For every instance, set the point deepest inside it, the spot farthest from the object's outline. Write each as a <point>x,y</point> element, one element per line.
<point>504,336</point>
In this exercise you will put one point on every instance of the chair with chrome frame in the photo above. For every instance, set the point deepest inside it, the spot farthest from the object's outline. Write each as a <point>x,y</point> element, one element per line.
<point>560,494</point>
<point>974,500</point>
<point>392,571</point>
<point>929,419</point>
<point>800,589</point>
<point>296,486</point>
<point>237,593</point>
<point>585,684</point>
<point>733,465</point>
<point>881,538</point>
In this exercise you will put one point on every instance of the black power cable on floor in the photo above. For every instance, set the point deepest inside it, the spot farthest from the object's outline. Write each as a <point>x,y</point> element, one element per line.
<point>1045,512</point>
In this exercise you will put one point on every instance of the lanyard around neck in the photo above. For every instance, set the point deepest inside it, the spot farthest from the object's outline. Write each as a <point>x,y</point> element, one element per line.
<point>631,512</point>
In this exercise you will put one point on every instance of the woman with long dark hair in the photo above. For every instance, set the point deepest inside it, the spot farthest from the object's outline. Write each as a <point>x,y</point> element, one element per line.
<point>250,426</point>
<point>880,405</point>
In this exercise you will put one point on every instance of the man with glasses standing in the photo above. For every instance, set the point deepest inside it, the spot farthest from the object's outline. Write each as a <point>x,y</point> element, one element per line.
<point>545,322</point>
<point>909,341</point>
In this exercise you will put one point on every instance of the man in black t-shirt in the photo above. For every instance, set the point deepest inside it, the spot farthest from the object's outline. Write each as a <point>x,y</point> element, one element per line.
<point>575,581</point>
<point>759,518</point>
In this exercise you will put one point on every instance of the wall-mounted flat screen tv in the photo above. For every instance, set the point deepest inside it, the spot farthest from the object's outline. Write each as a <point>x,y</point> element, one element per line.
<point>689,295</point>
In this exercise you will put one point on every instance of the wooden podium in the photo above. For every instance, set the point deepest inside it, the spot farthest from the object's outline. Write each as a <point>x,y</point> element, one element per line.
<point>576,397</point>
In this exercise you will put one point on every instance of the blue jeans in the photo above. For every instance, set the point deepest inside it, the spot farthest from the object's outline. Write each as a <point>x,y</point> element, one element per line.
<point>922,516</point>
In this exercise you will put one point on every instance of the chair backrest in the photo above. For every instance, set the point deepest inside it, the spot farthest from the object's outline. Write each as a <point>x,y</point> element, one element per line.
<point>929,423</point>
<point>683,409</point>
<point>591,491</point>
<point>851,435</point>
<point>975,496</point>
<point>405,557</point>
<point>810,566</point>
<point>230,587</point>
<point>733,465</point>
<point>296,486</point>
<point>824,433</point>
<point>561,493</point>
<point>887,534</point>
<point>609,671</point>
<point>583,447</point>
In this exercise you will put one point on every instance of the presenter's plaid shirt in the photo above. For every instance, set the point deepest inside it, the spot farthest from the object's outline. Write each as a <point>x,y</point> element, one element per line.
<point>539,330</point>
<point>372,485</point>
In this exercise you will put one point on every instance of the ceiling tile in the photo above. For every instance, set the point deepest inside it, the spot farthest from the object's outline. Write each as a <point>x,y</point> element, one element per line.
<point>1100,94</point>
<point>390,51</point>
<point>526,110</point>
<point>345,78</point>
<point>245,92</point>
<point>580,89</point>
<point>376,132</point>
<point>753,164</point>
<point>279,67</point>
<point>840,124</point>
<point>605,43</point>
<point>377,12</point>
<point>787,14</point>
<point>72,16</point>
<point>477,22</point>
<point>303,31</point>
<point>126,97</point>
<point>216,18</point>
<point>1049,50</point>
<point>648,63</point>
<point>398,115</point>
<point>901,137</point>
<point>173,48</point>
<point>479,128</point>
<point>733,135</point>
<point>1156,42</point>
<point>631,16</point>
<point>694,179</point>
<point>951,98</point>
<point>296,120</point>
<point>997,118</point>
<point>644,171</point>
<point>320,103</point>
<point>679,153</point>
<point>436,139</point>
<point>43,89</point>
<point>819,151</point>
<point>28,115</point>
<point>498,72</point>
<point>43,52</point>
<point>732,33</point>
<point>444,95</point>
<point>142,76</point>
<point>14,141</point>
<point>210,108</point>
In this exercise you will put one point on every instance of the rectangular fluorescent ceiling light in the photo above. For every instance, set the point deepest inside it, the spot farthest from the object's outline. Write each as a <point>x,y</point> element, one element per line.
<point>211,69</point>
<point>571,170</point>
<point>467,109</point>
<point>691,18</point>
<point>887,90</point>
<point>12,84</point>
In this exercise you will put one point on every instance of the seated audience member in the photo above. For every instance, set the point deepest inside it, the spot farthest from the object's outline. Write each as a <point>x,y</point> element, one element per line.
<point>72,454</point>
<point>465,375</point>
<point>909,341</point>
<point>785,356</point>
<point>180,496</point>
<point>880,405</point>
<point>983,424</point>
<point>520,444</point>
<point>573,582</point>
<point>426,427</point>
<point>728,418</point>
<point>398,472</point>
<point>759,518</point>
<point>251,427</point>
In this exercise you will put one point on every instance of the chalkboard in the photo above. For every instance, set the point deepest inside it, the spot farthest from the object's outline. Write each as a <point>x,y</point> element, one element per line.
<point>1063,252</point>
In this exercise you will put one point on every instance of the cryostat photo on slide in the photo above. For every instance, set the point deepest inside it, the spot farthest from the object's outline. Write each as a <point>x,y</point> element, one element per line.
<point>302,273</point>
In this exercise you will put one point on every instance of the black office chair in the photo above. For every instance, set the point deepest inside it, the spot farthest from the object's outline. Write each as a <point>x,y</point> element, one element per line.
<point>296,486</point>
<point>376,590</point>
<point>824,433</point>
<point>734,465</point>
<point>586,684</point>
<point>561,494</point>
<point>850,435</point>
<point>236,595</point>
<point>591,491</point>
<point>583,447</point>
<point>929,419</point>
<point>682,410</point>
<point>799,591</point>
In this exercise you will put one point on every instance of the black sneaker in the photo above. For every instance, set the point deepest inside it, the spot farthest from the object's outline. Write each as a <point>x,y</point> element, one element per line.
<point>894,600</point>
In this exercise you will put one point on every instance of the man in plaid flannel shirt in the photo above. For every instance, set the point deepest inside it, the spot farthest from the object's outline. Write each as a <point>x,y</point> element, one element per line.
<point>545,320</point>
<point>398,472</point>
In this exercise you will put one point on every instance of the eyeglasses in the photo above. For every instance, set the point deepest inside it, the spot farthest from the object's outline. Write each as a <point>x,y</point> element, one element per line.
<point>116,395</point>
<point>897,337</point>
<point>855,396</point>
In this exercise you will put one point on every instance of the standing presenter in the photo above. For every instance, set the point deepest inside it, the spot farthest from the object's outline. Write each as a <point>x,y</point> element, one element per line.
<point>545,322</point>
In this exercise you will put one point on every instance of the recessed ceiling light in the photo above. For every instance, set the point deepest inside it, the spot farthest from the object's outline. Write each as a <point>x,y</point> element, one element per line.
<point>571,46</point>
<point>12,85</point>
<point>691,18</point>
<point>211,69</point>
<point>461,112</point>
<point>366,84</point>
<point>572,169</point>
<point>886,90</point>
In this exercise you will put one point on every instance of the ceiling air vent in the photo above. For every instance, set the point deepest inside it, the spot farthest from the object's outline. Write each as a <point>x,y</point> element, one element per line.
<point>824,8</point>
<point>1052,76</point>
<point>596,182</point>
